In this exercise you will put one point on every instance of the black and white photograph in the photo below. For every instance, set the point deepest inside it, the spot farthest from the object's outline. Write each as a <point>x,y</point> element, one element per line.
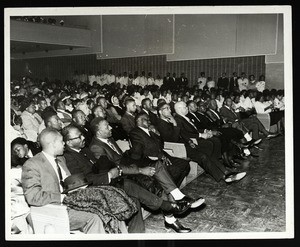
<point>148,123</point>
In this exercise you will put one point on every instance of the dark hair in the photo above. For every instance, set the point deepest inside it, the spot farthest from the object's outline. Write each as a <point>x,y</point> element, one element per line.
<point>18,140</point>
<point>66,132</point>
<point>95,123</point>
<point>144,101</point>
<point>15,119</point>
<point>139,115</point>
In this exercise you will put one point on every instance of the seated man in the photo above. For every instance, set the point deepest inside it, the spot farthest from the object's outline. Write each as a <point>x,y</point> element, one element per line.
<point>208,144</point>
<point>62,113</point>
<point>103,145</point>
<point>127,121</point>
<point>147,107</point>
<point>42,179</point>
<point>252,123</point>
<point>170,132</point>
<point>79,120</point>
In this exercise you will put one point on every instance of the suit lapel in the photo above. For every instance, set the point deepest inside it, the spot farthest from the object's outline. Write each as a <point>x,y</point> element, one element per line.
<point>48,167</point>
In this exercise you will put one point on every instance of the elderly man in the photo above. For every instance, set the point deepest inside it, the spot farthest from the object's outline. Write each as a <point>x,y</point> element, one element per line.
<point>103,144</point>
<point>188,130</point>
<point>170,132</point>
<point>42,179</point>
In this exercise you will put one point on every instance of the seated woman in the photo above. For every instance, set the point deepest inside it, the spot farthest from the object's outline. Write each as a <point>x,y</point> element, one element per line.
<point>263,107</point>
<point>22,150</point>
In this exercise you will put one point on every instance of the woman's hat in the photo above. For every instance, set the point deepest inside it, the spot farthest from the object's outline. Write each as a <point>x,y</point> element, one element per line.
<point>74,181</point>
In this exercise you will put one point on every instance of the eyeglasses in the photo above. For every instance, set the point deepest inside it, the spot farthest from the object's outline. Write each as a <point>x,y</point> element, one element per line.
<point>166,108</point>
<point>75,137</point>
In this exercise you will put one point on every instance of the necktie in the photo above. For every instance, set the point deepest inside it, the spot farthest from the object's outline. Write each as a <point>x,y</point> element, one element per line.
<point>112,146</point>
<point>189,120</point>
<point>61,181</point>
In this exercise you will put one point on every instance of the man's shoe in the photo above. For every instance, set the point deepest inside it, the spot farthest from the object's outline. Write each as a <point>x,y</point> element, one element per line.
<point>193,203</point>
<point>234,177</point>
<point>177,227</point>
<point>177,208</point>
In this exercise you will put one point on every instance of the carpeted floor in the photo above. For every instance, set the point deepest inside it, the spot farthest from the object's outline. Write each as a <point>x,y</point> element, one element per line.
<point>255,204</point>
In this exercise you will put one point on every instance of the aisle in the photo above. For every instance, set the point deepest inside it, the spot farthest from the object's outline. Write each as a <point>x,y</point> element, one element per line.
<point>255,204</point>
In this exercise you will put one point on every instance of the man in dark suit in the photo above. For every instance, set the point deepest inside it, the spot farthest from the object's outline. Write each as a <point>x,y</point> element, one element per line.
<point>42,178</point>
<point>182,81</point>
<point>147,107</point>
<point>224,135</point>
<point>233,84</point>
<point>170,132</point>
<point>127,121</point>
<point>251,123</point>
<point>79,120</point>
<point>80,159</point>
<point>223,82</point>
<point>104,145</point>
<point>167,81</point>
<point>208,144</point>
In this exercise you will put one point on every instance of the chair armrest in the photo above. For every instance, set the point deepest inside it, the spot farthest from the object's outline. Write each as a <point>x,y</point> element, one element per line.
<point>179,150</point>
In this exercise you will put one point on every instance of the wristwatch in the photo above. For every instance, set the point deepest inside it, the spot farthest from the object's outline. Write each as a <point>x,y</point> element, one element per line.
<point>120,171</point>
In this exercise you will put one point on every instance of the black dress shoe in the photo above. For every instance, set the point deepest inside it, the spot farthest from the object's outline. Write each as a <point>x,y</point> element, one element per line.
<point>177,208</point>
<point>177,227</point>
<point>193,203</point>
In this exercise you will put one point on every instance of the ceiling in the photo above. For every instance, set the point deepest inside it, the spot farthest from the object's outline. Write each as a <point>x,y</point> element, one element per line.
<point>21,47</point>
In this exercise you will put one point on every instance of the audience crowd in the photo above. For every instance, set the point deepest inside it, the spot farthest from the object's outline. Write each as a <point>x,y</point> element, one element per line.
<point>69,132</point>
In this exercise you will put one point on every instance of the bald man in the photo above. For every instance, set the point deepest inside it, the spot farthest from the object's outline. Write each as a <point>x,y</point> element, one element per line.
<point>42,180</point>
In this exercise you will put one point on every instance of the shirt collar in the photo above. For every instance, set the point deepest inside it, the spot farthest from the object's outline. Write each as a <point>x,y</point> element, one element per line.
<point>49,157</point>
<point>29,154</point>
<point>145,130</point>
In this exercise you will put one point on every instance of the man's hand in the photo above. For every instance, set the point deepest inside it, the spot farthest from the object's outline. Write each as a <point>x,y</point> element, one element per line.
<point>148,171</point>
<point>172,120</point>
<point>113,173</point>
<point>192,145</point>
<point>166,161</point>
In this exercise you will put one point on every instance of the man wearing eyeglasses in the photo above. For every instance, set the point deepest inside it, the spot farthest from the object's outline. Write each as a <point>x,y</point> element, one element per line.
<point>81,160</point>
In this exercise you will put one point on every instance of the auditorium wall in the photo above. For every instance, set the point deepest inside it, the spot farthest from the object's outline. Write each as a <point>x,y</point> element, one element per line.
<point>64,67</point>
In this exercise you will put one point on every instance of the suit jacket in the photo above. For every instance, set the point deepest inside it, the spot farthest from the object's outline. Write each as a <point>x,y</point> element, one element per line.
<point>228,115</point>
<point>223,82</point>
<point>144,145</point>
<point>168,132</point>
<point>99,148</point>
<point>128,122</point>
<point>86,131</point>
<point>84,162</point>
<point>153,117</point>
<point>214,117</point>
<point>201,126</point>
<point>187,130</point>
<point>40,182</point>
<point>233,83</point>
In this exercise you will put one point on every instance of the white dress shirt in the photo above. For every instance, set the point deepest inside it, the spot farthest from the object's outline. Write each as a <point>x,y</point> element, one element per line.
<point>53,163</point>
